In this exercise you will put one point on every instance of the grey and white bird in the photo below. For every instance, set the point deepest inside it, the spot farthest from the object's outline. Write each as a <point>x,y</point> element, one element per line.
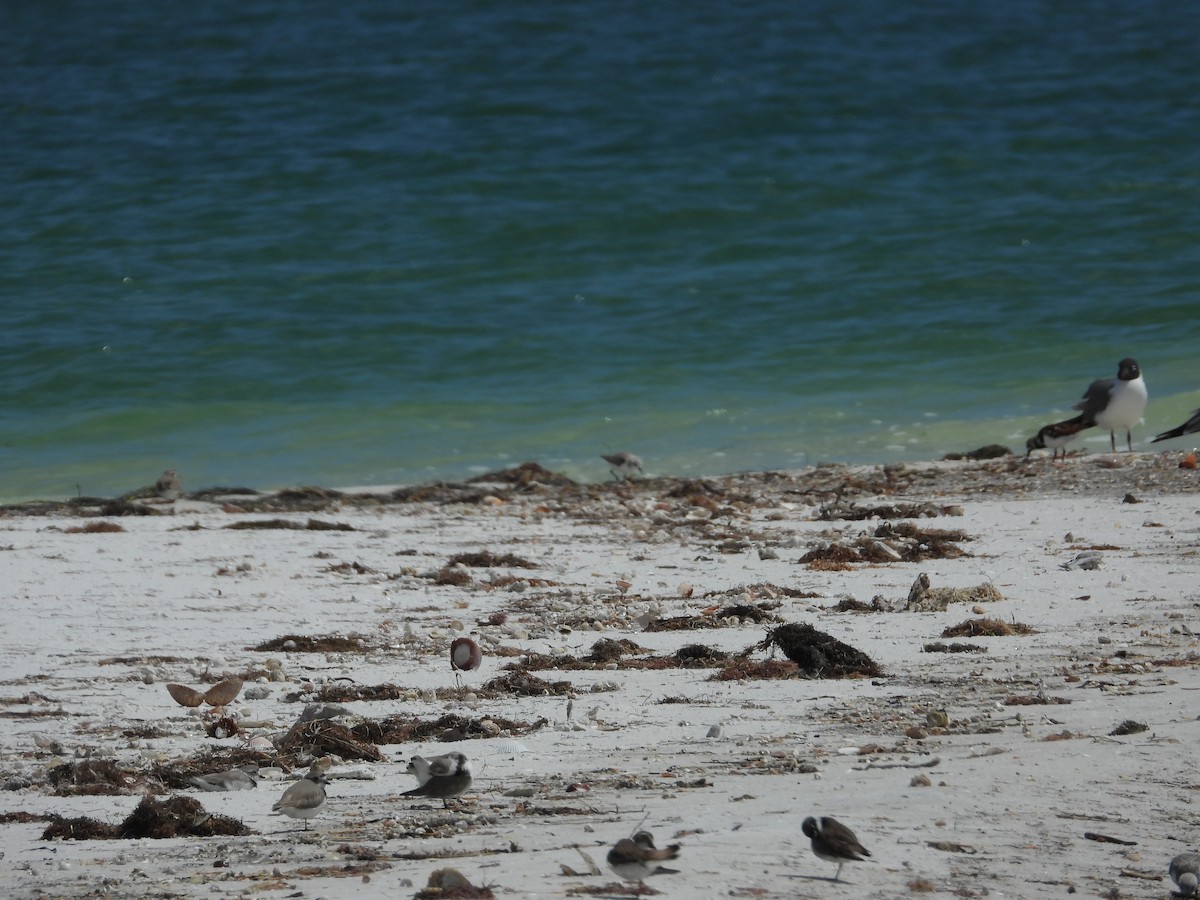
<point>1056,436</point>
<point>834,842</point>
<point>624,465</point>
<point>1189,427</point>
<point>168,486</point>
<point>1116,403</point>
<point>1185,872</point>
<point>304,799</point>
<point>636,858</point>
<point>243,778</point>
<point>441,777</point>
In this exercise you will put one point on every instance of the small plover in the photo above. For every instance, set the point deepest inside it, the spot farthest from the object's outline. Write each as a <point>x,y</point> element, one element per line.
<point>441,777</point>
<point>624,465</point>
<point>168,486</point>
<point>304,799</point>
<point>1185,872</point>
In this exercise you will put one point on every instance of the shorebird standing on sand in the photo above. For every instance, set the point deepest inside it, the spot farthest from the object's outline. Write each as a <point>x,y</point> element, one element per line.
<point>834,842</point>
<point>304,799</point>
<point>1188,427</point>
<point>624,465</point>
<point>1055,437</point>
<point>1116,403</point>
<point>636,858</point>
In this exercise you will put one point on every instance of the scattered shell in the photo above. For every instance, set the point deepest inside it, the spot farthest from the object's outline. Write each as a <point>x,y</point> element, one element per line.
<point>223,692</point>
<point>184,695</point>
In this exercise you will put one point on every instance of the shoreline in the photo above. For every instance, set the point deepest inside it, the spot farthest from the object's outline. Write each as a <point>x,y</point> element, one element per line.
<point>1015,738</point>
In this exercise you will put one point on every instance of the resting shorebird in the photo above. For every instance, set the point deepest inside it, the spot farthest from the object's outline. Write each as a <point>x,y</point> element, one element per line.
<point>1055,437</point>
<point>624,465</point>
<point>304,799</point>
<point>1116,403</point>
<point>834,842</point>
<point>239,779</point>
<point>441,777</point>
<point>1185,872</point>
<point>1188,427</point>
<point>168,486</point>
<point>636,858</point>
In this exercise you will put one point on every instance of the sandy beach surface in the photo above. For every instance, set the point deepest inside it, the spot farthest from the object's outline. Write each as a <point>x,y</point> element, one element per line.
<point>1056,759</point>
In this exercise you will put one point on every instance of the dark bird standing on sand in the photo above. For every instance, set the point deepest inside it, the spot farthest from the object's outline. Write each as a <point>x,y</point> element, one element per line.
<point>1116,403</point>
<point>834,842</point>
<point>1190,426</point>
<point>636,858</point>
<point>1055,437</point>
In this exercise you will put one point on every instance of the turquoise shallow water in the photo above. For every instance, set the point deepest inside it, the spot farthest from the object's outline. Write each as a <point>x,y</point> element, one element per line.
<point>267,244</point>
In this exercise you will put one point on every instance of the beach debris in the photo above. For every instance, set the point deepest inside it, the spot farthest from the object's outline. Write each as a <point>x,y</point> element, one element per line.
<point>451,884</point>
<point>987,451</point>
<point>956,647</point>
<point>288,525</point>
<point>1108,839</point>
<point>486,559</point>
<point>94,528</point>
<point>324,737</point>
<point>299,643</point>
<point>184,695</point>
<point>447,728</point>
<point>984,627</point>
<point>818,655</point>
<point>890,542</point>
<point>1087,560</point>
<point>223,692</point>
<point>89,777</point>
<point>1129,726</point>
<point>922,597</point>
<point>523,684</point>
<point>718,617</point>
<point>854,513</point>
<point>173,817</point>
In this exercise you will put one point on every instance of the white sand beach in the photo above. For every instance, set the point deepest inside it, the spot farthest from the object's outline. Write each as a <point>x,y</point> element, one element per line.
<point>989,772</point>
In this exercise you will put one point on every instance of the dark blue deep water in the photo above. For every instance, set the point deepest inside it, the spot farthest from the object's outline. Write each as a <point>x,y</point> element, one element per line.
<point>273,243</point>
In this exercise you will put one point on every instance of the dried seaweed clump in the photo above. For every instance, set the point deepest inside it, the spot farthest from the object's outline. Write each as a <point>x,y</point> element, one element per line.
<point>699,655</point>
<point>853,513</point>
<point>89,777</point>
<point>323,737</point>
<point>819,655</point>
<point>94,528</point>
<point>939,647</point>
<point>319,643</point>
<point>609,650</point>
<point>486,559</point>
<point>523,684</point>
<point>451,884</point>
<point>527,473</point>
<point>173,817</point>
<point>448,728</point>
<point>986,628</point>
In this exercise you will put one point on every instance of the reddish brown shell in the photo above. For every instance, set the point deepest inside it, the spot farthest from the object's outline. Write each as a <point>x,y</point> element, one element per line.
<point>184,695</point>
<point>223,691</point>
<point>465,654</point>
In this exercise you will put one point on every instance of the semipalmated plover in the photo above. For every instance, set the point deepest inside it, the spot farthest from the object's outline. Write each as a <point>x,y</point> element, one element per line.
<point>636,858</point>
<point>304,799</point>
<point>441,777</point>
<point>1116,403</point>
<point>1056,436</point>
<point>834,842</point>
<point>624,465</point>
<point>1188,427</point>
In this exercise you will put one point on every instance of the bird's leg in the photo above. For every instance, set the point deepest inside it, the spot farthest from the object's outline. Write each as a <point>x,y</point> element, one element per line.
<point>1112,438</point>
<point>838,875</point>
<point>1129,440</point>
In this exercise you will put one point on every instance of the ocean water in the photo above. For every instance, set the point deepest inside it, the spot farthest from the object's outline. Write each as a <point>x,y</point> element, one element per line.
<point>275,243</point>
